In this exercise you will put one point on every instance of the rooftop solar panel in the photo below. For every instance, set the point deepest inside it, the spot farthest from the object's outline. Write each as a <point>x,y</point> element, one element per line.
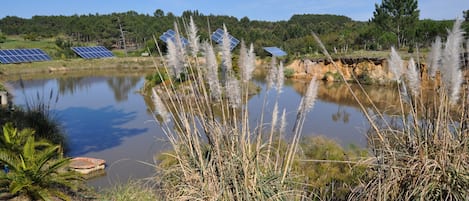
<point>9,56</point>
<point>171,35</point>
<point>94,52</point>
<point>275,51</point>
<point>217,36</point>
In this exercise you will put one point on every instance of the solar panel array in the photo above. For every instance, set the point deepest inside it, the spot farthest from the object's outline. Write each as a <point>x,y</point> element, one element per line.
<point>22,55</point>
<point>94,52</point>
<point>275,51</point>
<point>171,35</point>
<point>217,36</point>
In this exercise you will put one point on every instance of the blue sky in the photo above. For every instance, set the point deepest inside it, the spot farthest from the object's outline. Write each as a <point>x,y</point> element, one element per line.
<point>271,10</point>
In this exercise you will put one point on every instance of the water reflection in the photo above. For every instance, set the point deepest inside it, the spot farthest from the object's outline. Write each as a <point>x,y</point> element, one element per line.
<point>121,86</point>
<point>72,84</point>
<point>105,118</point>
<point>341,115</point>
<point>385,98</point>
<point>94,130</point>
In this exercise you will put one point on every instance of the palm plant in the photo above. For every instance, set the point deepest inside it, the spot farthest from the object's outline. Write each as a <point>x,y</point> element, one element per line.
<point>36,168</point>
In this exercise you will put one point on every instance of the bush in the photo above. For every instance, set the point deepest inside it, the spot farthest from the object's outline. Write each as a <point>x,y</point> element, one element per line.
<point>289,72</point>
<point>330,171</point>
<point>132,190</point>
<point>38,116</point>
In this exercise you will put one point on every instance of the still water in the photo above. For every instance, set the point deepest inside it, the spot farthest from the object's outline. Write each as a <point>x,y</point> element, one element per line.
<point>105,117</point>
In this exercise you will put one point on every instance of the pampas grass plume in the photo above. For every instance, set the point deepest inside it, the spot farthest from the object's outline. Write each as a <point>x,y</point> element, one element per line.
<point>451,62</point>
<point>310,96</point>
<point>160,107</point>
<point>193,38</point>
<point>434,57</point>
<point>212,72</point>
<point>413,77</point>
<point>396,65</point>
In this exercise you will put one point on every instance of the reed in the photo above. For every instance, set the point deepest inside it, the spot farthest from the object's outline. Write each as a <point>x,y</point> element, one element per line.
<point>422,154</point>
<point>216,154</point>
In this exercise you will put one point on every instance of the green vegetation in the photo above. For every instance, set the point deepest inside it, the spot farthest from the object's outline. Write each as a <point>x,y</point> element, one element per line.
<point>398,17</point>
<point>288,72</point>
<point>329,171</point>
<point>422,153</point>
<point>340,34</point>
<point>222,157</point>
<point>36,168</point>
<point>2,37</point>
<point>37,115</point>
<point>131,190</point>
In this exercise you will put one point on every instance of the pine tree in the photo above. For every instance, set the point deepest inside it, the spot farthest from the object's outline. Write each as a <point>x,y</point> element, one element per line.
<point>398,17</point>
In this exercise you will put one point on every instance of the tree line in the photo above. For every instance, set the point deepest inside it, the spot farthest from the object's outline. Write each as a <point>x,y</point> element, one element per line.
<point>340,33</point>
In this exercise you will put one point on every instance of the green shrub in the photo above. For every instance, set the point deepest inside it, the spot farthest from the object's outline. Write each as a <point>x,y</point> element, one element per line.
<point>330,171</point>
<point>131,190</point>
<point>288,72</point>
<point>37,169</point>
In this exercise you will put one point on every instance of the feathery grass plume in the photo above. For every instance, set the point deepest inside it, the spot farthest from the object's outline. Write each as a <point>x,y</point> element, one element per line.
<point>212,72</point>
<point>451,62</point>
<point>272,74</point>
<point>226,51</point>
<point>280,78</point>
<point>174,62</point>
<point>306,104</point>
<point>396,65</point>
<point>310,97</point>
<point>213,157</point>
<point>160,107</point>
<point>233,91</point>
<point>251,62</point>
<point>281,130</point>
<point>247,62</point>
<point>434,57</point>
<point>193,38</point>
<point>413,78</point>
<point>283,121</point>
<point>242,58</point>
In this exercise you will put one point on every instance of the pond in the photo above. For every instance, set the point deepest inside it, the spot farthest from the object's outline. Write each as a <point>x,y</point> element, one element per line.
<point>105,117</point>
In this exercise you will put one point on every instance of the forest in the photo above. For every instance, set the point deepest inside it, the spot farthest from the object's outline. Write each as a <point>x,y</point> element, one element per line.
<point>340,33</point>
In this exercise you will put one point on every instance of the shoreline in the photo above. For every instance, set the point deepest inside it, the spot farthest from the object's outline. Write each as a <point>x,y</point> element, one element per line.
<point>8,71</point>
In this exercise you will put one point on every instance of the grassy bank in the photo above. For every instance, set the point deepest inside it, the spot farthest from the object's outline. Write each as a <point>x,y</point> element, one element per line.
<point>77,65</point>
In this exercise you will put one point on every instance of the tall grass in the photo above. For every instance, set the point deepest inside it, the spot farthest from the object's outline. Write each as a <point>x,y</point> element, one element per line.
<point>422,154</point>
<point>216,153</point>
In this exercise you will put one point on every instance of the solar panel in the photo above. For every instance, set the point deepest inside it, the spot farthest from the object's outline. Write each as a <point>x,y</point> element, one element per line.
<point>217,36</point>
<point>94,52</point>
<point>275,51</point>
<point>171,35</point>
<point>10,56</point>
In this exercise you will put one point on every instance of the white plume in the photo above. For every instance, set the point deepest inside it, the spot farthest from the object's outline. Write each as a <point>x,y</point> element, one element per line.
<point>309,99</point>
<point>193,38</point>
<point>212,72</point>
<point>396,65</point>
<point>413,77</point>
<point>160,107</point>
<point>434,57</point>
<point>451,62</point>
<point>226,51</point>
